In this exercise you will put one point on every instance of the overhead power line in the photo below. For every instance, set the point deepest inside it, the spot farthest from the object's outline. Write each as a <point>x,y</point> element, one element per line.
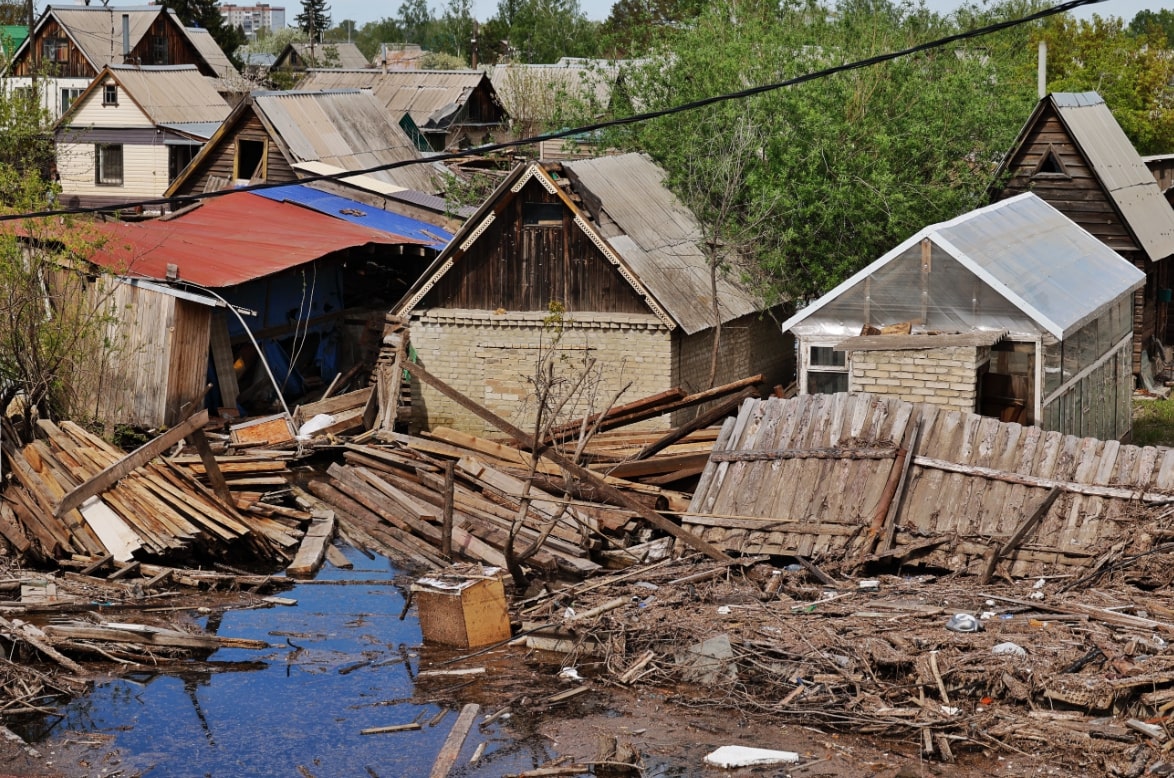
<point>566,133</point>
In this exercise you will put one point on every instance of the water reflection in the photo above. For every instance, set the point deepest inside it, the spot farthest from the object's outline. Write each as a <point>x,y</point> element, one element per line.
<point>340,661</point>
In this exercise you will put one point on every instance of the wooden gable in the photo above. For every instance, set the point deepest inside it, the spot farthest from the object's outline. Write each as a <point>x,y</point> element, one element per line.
<point>243,148</point>
<point>52,48</point>
<point>166,44</point>
<point>1049,163</point>
<point>532,253</point>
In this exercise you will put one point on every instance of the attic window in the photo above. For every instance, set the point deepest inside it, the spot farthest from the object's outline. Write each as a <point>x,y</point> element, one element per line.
<point>542,214</point>
<point>1051,164</point>
<point>110,94</point>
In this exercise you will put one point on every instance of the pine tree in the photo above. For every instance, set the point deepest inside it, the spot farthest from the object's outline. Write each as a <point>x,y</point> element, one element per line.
<point>314,18</point>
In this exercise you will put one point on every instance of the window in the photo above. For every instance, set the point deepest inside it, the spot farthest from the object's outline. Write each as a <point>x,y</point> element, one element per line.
<point>178,158</point>
<point>108,164</point>
<point>110,94</point>
<point>68,95</point>
<point>542,214</point>
<point>1051,164</point>
<point>827,370</point>
<point>159,50</point>
<point>250,160</point>
<point>55,49</point>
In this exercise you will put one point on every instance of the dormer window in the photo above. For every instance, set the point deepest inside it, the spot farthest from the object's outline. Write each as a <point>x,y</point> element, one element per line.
<point>110,94</point>
<point>55,49</point>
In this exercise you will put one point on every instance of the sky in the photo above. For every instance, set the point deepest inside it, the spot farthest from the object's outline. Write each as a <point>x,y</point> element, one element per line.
<point>362,11</point>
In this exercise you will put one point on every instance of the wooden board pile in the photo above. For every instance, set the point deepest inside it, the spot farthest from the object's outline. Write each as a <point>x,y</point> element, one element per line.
<point>156,510</point>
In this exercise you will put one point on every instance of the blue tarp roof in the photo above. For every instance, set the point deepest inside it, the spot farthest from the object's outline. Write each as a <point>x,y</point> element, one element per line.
<point>359,213</point>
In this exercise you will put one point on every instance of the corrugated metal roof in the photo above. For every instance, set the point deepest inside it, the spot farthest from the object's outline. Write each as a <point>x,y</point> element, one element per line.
<point>211,52</point>
<point>359,213</point>
<point>201,130</point>
<point>430,97</point>
<point>659,240</point>
<point>348,54</point>
<point>1032,255</point>
<point>1120,169</point>
<point>347,129</point>
<point>97,31</point>
<point>173,94</point>
<point>230,240</point>
<point>919,342</point>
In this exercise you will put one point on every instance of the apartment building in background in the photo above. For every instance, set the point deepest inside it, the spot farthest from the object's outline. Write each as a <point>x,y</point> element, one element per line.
<point>252,18</point>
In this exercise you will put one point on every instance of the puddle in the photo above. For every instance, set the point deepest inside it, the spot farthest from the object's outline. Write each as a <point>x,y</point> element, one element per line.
<point>341,662</point>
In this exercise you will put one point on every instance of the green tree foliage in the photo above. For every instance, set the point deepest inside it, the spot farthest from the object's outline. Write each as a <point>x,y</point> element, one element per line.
<point>54,341</point>
<point>206,14</point>
<point>843,167</point>
<point>415,20</point>
<point>1148,22</point>
<point>635,26</point>
<point>1133,72</point>
<point>314,20</point>
<point>538,31</point>
<point>13,13</point>
<point>455,30</point>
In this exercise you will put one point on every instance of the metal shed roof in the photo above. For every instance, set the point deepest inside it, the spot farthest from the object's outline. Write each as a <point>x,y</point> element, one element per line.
<point>659,238</point>
<point>347,129</point>
<point>359,213</point>
<point>349,55</point>
<point>1032,255</point>
<point>230,240</point>
<point>428,96</point>
<point>97,30</point>
<point>211,52</point>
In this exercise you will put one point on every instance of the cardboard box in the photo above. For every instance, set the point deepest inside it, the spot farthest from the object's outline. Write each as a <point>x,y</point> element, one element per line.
<point>463,610</point>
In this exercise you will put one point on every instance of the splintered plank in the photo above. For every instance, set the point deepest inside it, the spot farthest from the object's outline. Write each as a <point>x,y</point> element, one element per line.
<point>312,551</point>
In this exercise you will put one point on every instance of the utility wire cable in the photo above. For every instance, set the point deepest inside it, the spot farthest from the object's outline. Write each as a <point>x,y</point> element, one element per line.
<point>565,133</point>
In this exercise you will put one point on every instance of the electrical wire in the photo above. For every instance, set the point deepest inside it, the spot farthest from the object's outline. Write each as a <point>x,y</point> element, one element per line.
<point>623,121</point>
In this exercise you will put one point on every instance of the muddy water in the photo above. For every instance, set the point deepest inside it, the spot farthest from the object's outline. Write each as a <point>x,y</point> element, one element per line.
<point>342,661</point>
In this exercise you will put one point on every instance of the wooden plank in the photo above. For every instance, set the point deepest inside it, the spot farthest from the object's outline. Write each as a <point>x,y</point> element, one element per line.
<point>1020,534</point>
<point>712,416</point>
<point>131,462</point>
<point>116,536</point>
<point>653,518</point>
<point>222,361</point>
<point>456,738</point>
<point>312,550</point>
<point>216,478</point>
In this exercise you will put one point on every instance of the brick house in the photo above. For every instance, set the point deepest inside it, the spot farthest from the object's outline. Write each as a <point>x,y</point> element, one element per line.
<point>1073,154</point>
<point>594,258</point>
<point>1011,311</point>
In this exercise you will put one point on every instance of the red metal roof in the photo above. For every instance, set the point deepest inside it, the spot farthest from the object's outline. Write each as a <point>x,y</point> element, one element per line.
<point>230,240</point>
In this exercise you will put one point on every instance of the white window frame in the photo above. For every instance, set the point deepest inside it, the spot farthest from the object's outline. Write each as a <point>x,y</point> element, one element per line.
<point>808,368</point>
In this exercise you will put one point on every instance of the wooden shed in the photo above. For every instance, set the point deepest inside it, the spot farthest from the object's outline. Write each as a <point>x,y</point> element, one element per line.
<point>598,257</point>
<point>1073,154</point>
<point>1011,311</point>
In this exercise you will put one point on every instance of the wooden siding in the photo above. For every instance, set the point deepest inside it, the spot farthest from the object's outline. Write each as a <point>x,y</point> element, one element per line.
<point>188,367</point>
<point>144,171</point>
<point>124,113</point>
<point>1078,195</point>
<point>523,268</point>
<point>219,162</point>
<point>74,65</point>
<point>823,507</point>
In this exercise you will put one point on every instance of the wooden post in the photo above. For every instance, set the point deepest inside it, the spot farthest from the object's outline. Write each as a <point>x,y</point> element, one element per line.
<point>1021,533</point>
<point>446,526</point>
<point>575,469</point>
<point>216,478</point>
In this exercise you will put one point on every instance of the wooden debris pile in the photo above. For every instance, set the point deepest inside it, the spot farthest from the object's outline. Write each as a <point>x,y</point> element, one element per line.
<point>1082,677</point>
<point>73,493</point>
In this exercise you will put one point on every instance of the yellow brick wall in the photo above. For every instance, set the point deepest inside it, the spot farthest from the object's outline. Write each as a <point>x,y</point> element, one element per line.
<point>942,376</point>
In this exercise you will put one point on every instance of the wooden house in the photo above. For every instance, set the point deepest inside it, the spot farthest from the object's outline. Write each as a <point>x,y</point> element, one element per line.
<point>246,290</point>
<point>70,45</point>
<point>1074,155</point>
<point>297,57</point>
<point>1011,311</point>
<point>594,260</point>
<point>132,131</point>
<point>533,94</point>
<point>284,136</point>
<point>450,108</point>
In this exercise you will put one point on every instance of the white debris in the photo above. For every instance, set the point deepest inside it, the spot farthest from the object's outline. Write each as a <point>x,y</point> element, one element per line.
<point>744,756</point>
<point>319,422</point>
